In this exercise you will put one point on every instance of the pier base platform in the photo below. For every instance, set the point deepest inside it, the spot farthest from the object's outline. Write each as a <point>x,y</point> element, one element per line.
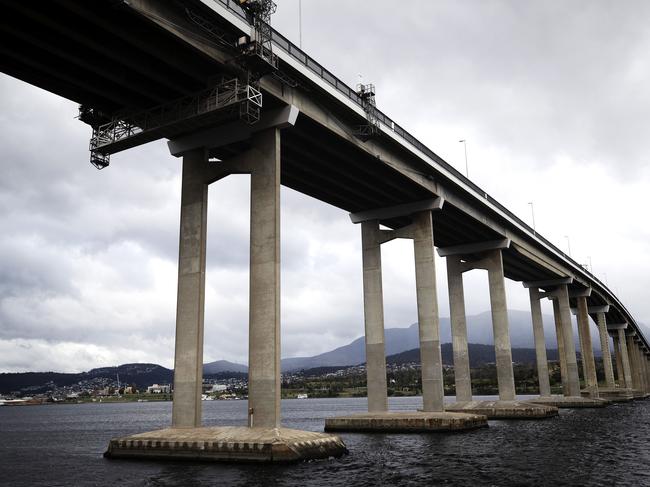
<point>504,409</point>
<point>229,444</point>
<point>615,394</point>
<point>570,402</point>
<point>406,422</point>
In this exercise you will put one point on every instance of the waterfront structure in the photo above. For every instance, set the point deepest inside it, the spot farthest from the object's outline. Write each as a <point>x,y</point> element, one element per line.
<point>235,97</point>
<point>159,389</point>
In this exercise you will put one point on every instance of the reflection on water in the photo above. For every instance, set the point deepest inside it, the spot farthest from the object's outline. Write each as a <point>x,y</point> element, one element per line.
<point>63,445</point>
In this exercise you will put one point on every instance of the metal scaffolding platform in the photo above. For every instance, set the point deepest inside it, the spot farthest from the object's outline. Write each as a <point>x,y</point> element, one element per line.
<point>227,101</point>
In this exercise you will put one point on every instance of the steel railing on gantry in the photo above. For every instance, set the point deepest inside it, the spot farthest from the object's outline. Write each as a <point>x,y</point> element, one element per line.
<point>300,56</point>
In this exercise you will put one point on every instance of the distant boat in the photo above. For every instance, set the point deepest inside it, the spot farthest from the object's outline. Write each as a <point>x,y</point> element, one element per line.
<point>302,396</point>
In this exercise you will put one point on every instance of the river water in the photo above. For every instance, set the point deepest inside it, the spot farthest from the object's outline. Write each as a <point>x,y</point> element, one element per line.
<point>62,445</point>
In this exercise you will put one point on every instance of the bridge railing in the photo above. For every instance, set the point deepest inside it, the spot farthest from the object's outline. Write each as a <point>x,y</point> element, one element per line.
<point>316,68</point>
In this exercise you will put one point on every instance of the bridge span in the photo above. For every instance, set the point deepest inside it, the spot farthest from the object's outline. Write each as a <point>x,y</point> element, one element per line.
<point>233,96</point>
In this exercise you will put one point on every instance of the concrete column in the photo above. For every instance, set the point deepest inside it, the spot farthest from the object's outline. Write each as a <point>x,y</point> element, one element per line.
<point>428,317</point>
<point>634,371</point>
<point>604,348</point>
<point>569,345</point>
<point>625,360</point>
<point>374,317</point>
<point>645,371</point>
<point>188,355</point>
<point>559,334</point>
<point>591,380</point>
<point>620,377</point>
<point>636,368</point>
<point>502,348</point>
<point>458,320</point>
<point>540,342</point>
<point>264,312</point>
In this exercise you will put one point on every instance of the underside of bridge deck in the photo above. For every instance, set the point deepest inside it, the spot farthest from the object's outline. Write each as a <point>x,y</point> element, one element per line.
<point>118,57</point>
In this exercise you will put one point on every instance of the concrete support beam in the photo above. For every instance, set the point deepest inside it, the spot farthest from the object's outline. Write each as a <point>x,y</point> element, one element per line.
<point>374,317</point>
<point>264,313</point>
<point>580,293</point>
<point>591,380</point>
<point>604,347</point>
<point>458,320</point>
<point>573,380</point>
<point>540,343</point>
<point>397,210</point>
<point>428,317</point>
<point>474,248</point>
<point>188,355</point>
<point>548,283</point>
<point>620,377</point>
<point>559,334</point>
<point>502,348</point>
<point>233,132</point>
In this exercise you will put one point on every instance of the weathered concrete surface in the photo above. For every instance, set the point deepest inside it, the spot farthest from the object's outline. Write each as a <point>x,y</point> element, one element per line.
<point>589,364</point>
<point>559,335</point>
<point>504,409</point>
<point>502,348</point>
<point>406,422</point>
<point>428,319</point>
<point>540,342</point>
<point>573,380</point>
<point>616,394</point>
<point>458,320</point>
<point>230,444</point>
<point>604,347</point>
<point>625,360</point>
<point>373,308</point>
<point>264,309</point>
<point>188,356</point>
<point>570,402</point>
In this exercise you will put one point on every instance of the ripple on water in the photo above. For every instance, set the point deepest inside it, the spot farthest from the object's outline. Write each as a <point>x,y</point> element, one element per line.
<point>62,445</point>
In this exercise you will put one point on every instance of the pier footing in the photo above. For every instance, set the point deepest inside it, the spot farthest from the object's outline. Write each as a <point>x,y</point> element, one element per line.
<point>406,422</point>
<point>228,444</point>
<point>615,394</point>
<point>568,402</point>
<point>504,409</point>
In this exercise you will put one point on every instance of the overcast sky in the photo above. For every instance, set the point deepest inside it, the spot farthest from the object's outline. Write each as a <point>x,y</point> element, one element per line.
<point>552,98</point>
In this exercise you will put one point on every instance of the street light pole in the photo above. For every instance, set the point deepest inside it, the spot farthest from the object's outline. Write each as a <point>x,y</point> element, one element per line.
<point>464,142</point>
<point>532,210</point>
<point>300,24</point>
<point>568,244</point>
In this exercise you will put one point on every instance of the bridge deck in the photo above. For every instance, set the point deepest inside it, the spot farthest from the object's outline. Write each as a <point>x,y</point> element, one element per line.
<point>120,57</point>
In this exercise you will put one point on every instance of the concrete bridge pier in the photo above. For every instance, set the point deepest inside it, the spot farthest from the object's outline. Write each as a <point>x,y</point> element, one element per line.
<point>586,348</point>
<point>458,320</point>
<point>559,336</point>
<point>571,398</point>
<point>540,342</point>
<point>486,256</point>
<point>623,366</point>
<point>605,350</point>
<point>432,416</point>
<point>638,379</point>
<point>611,391</point>
<point>373,307</point>
<point>263,439</point>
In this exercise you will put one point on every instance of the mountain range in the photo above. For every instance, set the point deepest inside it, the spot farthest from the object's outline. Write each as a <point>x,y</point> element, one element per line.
<point>143,375</point>
<point>479,329</point>
<point>401,347</point>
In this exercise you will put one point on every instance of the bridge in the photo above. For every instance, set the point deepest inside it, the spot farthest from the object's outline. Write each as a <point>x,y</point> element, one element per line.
<point>233,96</point>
